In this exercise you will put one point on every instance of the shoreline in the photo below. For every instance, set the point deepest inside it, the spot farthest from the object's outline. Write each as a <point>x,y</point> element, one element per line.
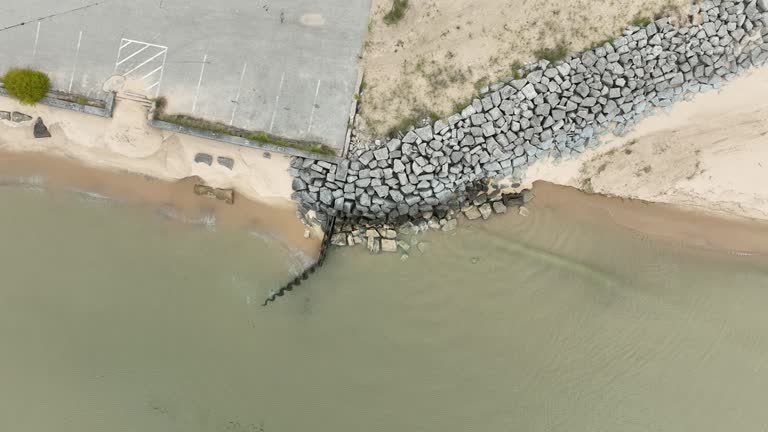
<point>63,175</point>
<point>685,225</point>
<point>708,154</point>
<point>667,222</point>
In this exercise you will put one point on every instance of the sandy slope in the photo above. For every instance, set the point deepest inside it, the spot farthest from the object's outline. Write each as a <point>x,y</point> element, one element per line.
<point>710,153</point>
<point>432,59</point>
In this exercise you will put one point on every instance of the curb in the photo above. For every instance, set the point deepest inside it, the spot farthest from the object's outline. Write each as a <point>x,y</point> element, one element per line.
<point>231,139</point>
<point>52,101</point>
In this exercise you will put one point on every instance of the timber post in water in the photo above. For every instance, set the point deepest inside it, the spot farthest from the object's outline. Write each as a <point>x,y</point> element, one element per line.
<point>309,270</point>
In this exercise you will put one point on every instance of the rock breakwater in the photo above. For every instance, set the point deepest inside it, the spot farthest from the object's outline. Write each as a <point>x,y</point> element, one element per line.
<point>558,110</point>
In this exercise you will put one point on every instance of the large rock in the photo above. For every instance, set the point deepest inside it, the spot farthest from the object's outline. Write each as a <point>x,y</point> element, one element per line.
<point>204,158</point>
<point>226,162</point>
<point>472,213</point>
<point>19,117</point>
<point>5,115</point>
<point>40,130</point>
<point>388,245</point>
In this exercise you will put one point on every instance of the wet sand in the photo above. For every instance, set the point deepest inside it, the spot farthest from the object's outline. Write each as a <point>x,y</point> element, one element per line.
<point>63,176</point>
<point>693,229</point>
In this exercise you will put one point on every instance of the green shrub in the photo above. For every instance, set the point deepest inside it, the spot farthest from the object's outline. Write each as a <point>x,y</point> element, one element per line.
<point>397,12</point>
<point>27,85</point>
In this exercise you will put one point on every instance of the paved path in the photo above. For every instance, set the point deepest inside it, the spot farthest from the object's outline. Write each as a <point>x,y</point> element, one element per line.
<point>285,66</point>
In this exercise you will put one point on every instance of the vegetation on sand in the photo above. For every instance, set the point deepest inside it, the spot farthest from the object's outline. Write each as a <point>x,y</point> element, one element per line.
<point>397,12</point>
<point>27,85</point>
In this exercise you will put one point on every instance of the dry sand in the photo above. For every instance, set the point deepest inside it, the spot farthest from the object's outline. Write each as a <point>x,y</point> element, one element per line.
<point>709,154</point>
<point>126,142</point>
<point>432,59</point>
<point>112,148</point>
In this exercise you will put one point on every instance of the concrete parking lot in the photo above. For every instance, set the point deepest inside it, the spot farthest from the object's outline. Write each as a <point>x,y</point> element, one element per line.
<point>284,66</point>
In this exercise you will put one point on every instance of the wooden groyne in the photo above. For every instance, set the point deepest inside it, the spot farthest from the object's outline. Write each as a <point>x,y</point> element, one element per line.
<point>329,226</point>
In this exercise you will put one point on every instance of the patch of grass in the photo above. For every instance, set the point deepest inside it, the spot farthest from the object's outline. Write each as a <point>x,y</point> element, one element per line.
<point>515,70</point>
<point>416,119</point>
<point>641,21</point>
<point>553,55</point>
<point>482,82</point>
<point>598,44</point>
<point>221,128</point>
<point>82,100</point>
<point>161,103</point>
<point>397,13</point>
<point>27,85</point>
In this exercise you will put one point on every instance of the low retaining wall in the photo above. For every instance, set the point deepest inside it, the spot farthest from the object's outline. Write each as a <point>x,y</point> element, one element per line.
<point>53,101</point>
<point>231,139</point>
<point>557,109</point>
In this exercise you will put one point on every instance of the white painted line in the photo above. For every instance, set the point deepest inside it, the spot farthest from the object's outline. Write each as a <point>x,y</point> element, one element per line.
<point>127,42</point>
<point>37,37</point>
<point>145,62</point>
<point>160,80</point>
<point>132,55</point>
<point>149,74</point>
<point>277,102</point>
<point>199,82</point>
<point>152,86</point>
<point>145,43</point>
<point>314,105</point>
<point>237,97</point>
<point>74,64</point>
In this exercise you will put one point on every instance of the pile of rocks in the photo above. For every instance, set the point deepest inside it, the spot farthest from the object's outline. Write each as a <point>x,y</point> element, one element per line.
<point>557,109</point>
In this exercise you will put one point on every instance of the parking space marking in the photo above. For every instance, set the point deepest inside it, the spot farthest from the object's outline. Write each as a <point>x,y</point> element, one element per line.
<point>132,55</point>
<point>74,64</point>
<point>199,82</point>
<point>37,37</point>
<point>145,54</point>
<point>237,97</point>
<point>314,106</point>
<point>277,102</point>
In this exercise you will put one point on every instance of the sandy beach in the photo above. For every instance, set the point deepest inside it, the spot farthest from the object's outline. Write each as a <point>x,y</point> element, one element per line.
<point>123,158</point>
<point>708,154</point>
<point>127,143</point>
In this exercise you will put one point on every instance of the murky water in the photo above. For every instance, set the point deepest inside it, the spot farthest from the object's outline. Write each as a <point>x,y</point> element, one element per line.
<point>113,319</point>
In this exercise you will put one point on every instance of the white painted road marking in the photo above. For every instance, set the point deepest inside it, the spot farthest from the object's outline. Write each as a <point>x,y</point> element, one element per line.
<point>154,53</point>
<point>237,97</point>
<point>199,82</point>
<point>314,105</point>
<point>132,55</point>
<point>37,37</point>
<point>277,103</point>
<point>74,64</point>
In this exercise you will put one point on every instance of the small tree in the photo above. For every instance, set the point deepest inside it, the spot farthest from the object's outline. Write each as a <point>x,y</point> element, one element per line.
<point>27,85</point>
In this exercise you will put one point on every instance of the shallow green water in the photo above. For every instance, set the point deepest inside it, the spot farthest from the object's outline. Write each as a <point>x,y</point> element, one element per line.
<point>115,319</point>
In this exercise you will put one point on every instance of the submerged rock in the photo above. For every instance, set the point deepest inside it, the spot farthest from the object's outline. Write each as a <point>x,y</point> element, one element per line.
<point>226,195</point>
